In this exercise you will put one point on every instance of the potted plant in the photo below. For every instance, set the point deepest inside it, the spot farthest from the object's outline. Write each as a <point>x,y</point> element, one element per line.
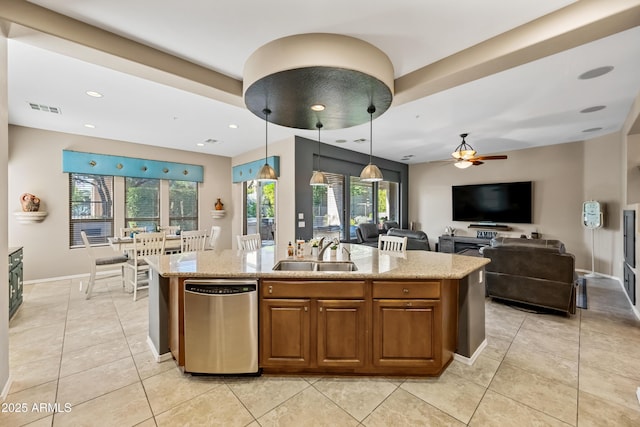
<point>333,250</point>
<point>314,247</point>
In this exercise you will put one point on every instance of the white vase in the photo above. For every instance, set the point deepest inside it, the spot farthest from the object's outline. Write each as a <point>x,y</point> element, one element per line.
<point>332,253</point>
<point>314,251</point>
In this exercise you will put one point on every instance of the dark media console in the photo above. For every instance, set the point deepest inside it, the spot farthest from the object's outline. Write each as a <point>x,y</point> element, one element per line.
<point>455,244</point>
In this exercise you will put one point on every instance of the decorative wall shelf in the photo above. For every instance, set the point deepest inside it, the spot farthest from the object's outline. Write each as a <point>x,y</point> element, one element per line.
<point>30,217</point>
<point>218,213</point>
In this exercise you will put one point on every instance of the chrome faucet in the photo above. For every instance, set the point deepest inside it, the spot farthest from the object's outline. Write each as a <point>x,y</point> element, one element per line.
<point>344,249</point>
<point>324,248</point>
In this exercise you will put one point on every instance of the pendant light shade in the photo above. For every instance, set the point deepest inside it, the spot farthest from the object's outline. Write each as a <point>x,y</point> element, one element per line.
<point>266,172</point>
<point>463,151</point>
<point>371,173</point>
<point>318,177</point>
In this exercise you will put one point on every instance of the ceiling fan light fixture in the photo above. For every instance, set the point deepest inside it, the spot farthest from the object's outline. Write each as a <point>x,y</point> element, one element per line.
<point>464,150</point>
<point>463,164</point>
<point>266,172</point>
<point>371,173</point>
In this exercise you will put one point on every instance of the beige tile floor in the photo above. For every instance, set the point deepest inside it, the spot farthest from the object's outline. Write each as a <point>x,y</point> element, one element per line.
<point>92,359</point>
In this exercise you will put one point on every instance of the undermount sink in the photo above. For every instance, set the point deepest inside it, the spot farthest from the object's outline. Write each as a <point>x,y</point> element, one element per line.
<point>295,266</point>
<point>315,266</point>
<point>336,266</point>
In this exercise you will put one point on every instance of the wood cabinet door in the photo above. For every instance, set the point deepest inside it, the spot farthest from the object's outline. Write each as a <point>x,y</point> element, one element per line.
<point>407,333</point>
<point>285,332</point>
<point>341,332</point>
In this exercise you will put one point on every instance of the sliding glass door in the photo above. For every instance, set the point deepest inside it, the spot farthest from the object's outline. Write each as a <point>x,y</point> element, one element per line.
<point>260,208</point>
<point>328,208</point>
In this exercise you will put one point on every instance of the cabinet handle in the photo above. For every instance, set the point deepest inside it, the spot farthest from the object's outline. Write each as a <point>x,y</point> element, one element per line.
<point>405,290</point>
<point>270,289</point>
<point>320,308</point>
<point>306,309</point>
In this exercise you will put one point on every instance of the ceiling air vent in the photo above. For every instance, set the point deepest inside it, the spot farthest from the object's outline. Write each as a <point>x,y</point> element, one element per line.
<point>45,108</point>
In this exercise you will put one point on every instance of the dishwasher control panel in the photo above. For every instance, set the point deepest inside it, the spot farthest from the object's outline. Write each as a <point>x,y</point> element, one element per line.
<point>219,289</point>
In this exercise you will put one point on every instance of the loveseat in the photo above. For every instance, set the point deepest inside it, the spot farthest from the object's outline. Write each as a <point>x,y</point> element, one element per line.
<point>416,240</point>
<point>536,272</point>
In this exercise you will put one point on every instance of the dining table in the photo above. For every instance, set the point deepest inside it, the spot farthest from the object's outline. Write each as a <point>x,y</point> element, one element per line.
<point>125,244</point>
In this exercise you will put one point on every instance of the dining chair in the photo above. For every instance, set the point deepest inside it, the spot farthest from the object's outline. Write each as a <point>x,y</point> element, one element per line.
<point>170,229</point>
<point>126,231</point>
<point>249,242</point>
<point>144,244</point>
<point>102,263</point>
<point>392,243</point>
<point>216,230</point>
<point>192,241</point>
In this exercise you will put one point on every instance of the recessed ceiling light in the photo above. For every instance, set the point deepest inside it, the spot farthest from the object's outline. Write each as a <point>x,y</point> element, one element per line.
<point>340,141</point>
<point>89,125</point>
<point>233,126</point>
<point>200,144</point>
<point>317,107</point>
<point>592,130</point>
<point>210,141</point>
<point>596,72</point>
<point>593,109</point>
<point>360,140</point>
<point>94,94</point>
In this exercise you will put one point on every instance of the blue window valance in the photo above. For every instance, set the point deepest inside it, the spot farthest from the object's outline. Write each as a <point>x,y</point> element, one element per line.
<point>105,164</point>
<point>248,171</point>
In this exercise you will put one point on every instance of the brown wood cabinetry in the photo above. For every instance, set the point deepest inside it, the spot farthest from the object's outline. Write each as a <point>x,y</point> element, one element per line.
<point>358,327</point>
<point>311,324</point>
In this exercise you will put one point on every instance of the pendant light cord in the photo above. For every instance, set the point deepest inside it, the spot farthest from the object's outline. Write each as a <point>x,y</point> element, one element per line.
<point>266,112</point>
<point>371,110</point>
<point>319,126</point>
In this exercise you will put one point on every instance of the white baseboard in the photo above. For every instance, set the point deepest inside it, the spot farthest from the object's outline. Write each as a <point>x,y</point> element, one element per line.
<point>5,389</point>
<point>470,360</point>
<point>159,357</point>
<point>73,276</point>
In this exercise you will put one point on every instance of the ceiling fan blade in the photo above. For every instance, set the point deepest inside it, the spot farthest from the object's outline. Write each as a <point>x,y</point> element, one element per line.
<point>497,157</point>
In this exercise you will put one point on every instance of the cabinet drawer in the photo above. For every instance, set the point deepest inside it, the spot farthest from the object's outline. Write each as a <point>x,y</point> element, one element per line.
<point>395,290</point>
<point>312,289</point>
<point>15,258</point>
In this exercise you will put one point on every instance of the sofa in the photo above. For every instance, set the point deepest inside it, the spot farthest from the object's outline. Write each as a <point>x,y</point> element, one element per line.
<point>535,272</point>
<point>416,240</point>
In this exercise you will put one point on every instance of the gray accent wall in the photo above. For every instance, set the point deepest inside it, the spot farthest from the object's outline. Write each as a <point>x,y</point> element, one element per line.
<point>342,161</point>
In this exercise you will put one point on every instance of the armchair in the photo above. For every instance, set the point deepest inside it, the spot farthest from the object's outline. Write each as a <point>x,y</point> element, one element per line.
<point>367,234</point>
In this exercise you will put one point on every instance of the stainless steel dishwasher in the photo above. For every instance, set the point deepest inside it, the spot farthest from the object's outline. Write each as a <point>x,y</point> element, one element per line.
<point>221,326</point>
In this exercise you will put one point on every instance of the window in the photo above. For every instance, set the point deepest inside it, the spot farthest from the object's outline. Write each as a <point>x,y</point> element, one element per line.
<point>328,208</point>
<point>183,204</point>
<point>388,201</point>
<point>260,208</point>
<point>142,203</point>
<point>90,208</point>
<point>361,208</point>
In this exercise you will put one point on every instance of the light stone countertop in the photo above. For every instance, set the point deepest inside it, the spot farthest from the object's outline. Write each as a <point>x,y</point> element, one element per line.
<point>371,263</point>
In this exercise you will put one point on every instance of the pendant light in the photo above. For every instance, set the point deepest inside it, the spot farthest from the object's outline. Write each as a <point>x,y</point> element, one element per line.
<point>463,151</point>
<point>371,173</point>
<point>318,177</point>
<point>266,172</point>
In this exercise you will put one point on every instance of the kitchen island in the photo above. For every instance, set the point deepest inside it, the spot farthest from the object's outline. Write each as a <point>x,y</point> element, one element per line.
<point>392,315</point>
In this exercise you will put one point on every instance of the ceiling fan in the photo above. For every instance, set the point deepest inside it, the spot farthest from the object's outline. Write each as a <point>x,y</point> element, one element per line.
<point>465,155</point>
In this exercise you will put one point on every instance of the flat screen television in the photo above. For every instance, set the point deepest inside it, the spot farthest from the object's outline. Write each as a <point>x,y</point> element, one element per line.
<point>493,203</point>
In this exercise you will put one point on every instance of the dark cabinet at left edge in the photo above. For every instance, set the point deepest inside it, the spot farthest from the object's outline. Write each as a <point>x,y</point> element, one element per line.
<point>15,280</point>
